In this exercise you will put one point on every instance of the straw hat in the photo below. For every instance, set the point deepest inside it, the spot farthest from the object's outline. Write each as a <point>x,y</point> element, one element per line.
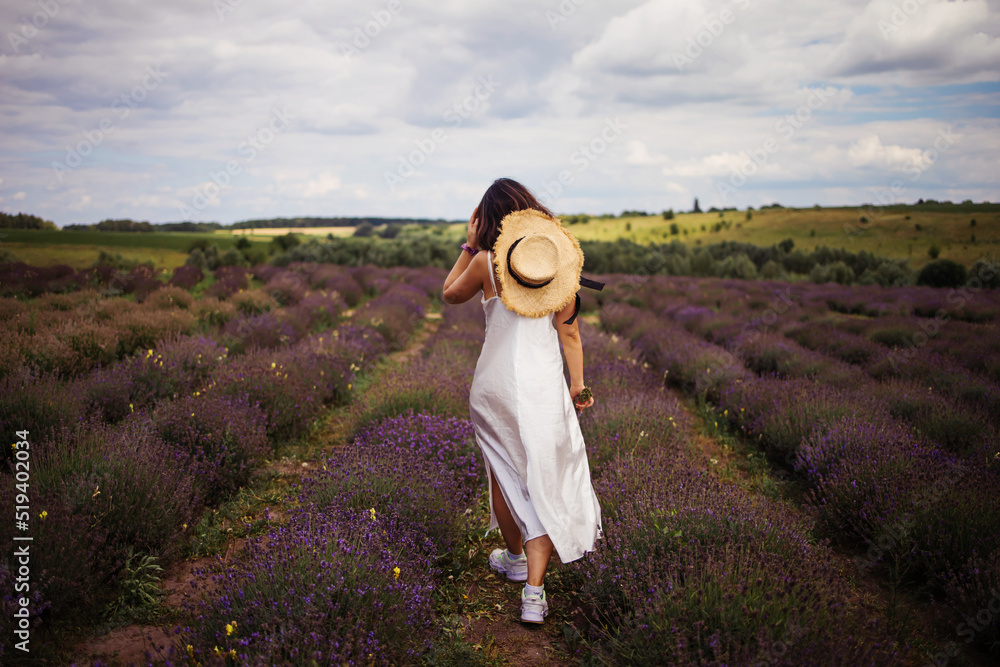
<point>538,262</point>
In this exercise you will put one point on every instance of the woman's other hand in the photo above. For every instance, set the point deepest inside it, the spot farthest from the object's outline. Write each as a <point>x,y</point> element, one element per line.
<point>472,234</point>
<point>574,393</point>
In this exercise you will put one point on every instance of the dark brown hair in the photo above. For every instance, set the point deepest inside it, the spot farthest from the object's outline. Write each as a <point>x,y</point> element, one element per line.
<point>503,197</point>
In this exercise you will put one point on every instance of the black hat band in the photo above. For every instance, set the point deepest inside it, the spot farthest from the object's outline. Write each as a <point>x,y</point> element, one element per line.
<point>517,278</point>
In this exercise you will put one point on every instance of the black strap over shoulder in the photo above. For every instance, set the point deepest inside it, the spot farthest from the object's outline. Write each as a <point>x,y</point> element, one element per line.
<point>584,282</point>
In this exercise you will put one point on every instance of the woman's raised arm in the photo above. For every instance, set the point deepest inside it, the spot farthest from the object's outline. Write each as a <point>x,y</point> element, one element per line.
<point>466,278</point>
<point>461,268</point>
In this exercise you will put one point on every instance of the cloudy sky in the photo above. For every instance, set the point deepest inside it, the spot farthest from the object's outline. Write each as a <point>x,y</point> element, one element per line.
<point>233,109</point>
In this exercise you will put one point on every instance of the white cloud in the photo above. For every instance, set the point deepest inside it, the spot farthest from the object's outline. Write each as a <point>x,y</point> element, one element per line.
<point>324,184</point>
<point>20,196</point>
<point>639,154</point>
<point>924,42</point>
<point>870,151</point>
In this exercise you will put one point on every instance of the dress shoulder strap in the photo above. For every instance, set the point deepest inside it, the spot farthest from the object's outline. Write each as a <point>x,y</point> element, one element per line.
<point>489,257</point>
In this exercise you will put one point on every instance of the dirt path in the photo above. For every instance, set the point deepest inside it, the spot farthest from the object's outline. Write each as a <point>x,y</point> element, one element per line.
<point>483,610</point>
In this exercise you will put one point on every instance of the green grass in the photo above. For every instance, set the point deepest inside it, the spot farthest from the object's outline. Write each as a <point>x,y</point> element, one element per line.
<point>81,256</point>
<point>80,249</point>
<point>244,514</point>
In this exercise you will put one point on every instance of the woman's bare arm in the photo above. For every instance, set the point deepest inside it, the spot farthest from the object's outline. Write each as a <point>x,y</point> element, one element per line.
<point>466,278</point>
<point>572,344</point>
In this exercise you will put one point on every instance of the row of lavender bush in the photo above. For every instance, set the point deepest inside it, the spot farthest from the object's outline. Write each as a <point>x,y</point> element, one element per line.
<point>904,475</point>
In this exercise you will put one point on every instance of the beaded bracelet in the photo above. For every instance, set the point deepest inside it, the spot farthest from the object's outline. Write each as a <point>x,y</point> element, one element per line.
<point>469,249</point>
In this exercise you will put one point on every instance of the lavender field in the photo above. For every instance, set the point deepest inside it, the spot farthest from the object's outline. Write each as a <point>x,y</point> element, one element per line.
<point>790,474</point>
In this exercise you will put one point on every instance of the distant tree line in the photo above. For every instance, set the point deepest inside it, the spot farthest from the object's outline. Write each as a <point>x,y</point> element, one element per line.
<point>932,205</point>
<point>127,225</point>
<point>24,221</point>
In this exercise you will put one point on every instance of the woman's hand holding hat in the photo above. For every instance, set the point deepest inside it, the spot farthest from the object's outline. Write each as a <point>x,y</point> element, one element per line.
<point>472,233</point>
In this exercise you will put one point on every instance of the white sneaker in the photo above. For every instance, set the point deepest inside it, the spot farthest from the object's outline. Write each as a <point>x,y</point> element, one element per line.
<point>534,608</point>
<point>516,569</point>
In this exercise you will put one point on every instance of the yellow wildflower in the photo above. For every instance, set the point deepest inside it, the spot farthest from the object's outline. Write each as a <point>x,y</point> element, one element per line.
<point>190,650</point>
<point>232,653</point>
<point>272,364</point>
<point>229,629</point>
<point>395,573</point>
<point>372,512</point>
<point>130,408</point>
<point>43,515</point>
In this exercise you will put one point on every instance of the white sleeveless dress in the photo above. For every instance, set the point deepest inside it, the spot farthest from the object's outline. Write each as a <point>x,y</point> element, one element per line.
<point>527,427</point>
